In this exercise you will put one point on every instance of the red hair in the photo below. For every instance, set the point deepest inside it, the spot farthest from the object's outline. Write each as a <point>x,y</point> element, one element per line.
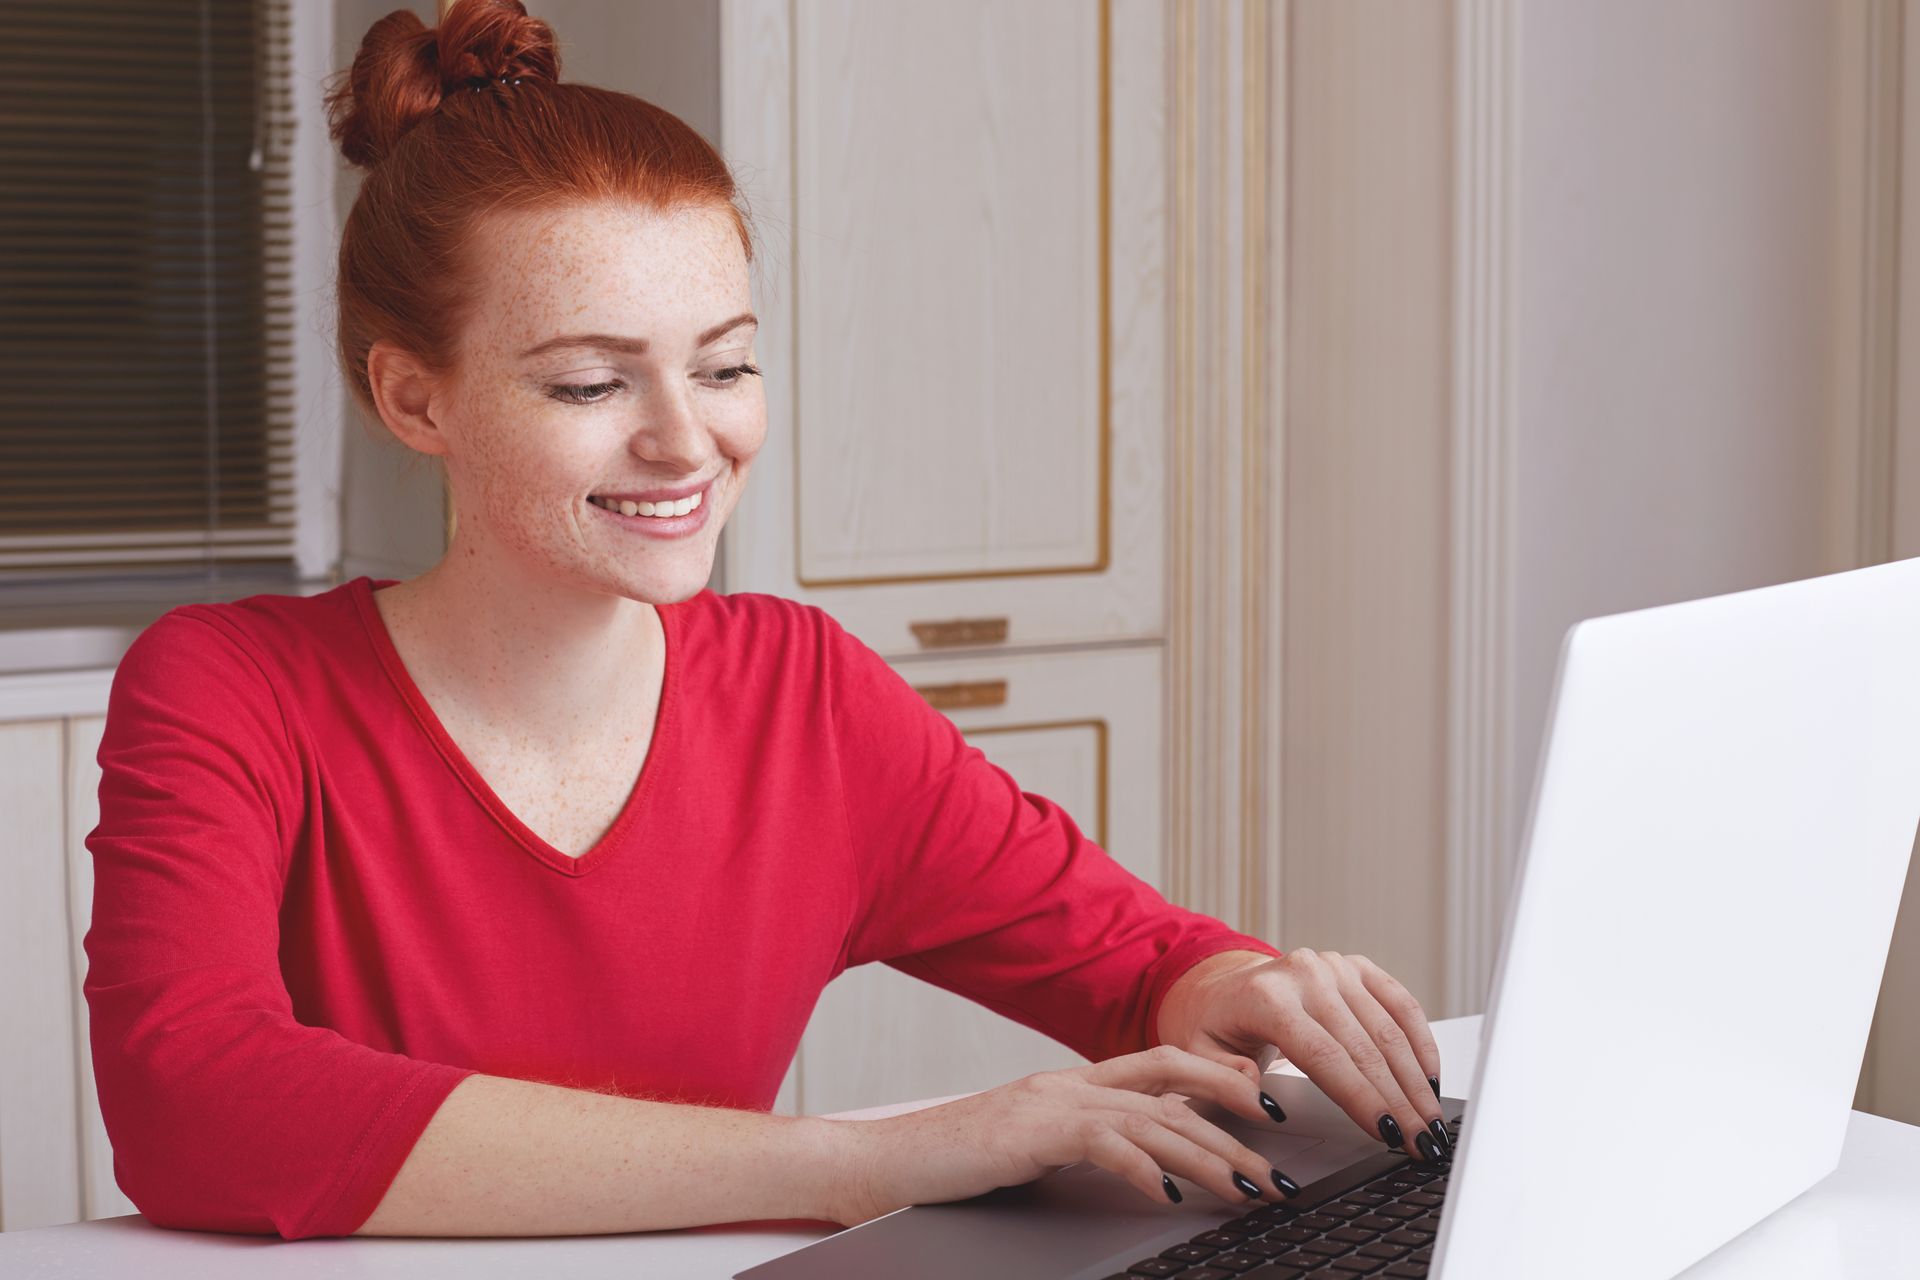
<point>455,122</point>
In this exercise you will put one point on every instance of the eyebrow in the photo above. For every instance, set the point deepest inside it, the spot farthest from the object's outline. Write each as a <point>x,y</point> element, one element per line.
<point>632,346</point>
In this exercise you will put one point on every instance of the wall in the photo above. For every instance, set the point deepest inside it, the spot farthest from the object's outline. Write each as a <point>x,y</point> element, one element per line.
<point>1676,257</point>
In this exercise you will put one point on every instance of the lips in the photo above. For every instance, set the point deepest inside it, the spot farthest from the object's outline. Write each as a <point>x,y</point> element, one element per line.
<point>652,495</point>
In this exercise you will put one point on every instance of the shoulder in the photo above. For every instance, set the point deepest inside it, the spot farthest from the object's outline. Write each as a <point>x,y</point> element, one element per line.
<point>754,623</point>
<point>247,642</point>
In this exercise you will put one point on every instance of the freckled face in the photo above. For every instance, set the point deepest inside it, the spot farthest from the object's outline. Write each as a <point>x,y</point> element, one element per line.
<point>530,437</point>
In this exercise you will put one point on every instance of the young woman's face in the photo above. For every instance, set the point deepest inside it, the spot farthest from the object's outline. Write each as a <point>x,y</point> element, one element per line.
<point>608,353</point>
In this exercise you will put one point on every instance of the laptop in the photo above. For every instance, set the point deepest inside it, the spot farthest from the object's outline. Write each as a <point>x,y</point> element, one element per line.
<point>1722,816</point>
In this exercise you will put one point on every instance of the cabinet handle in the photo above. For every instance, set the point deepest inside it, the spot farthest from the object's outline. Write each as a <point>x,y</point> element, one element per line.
<point>966,693</point>
<point>959,631</point>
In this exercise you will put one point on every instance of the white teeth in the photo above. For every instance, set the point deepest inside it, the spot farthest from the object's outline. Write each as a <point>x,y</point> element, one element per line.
<point>679,508</point>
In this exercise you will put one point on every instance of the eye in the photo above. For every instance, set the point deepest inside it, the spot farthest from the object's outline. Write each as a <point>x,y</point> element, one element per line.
<point>584,392</point>
<point>738,371</point>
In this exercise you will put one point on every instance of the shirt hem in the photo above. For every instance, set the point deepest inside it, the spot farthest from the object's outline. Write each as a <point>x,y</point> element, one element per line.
<point>382,1149</point>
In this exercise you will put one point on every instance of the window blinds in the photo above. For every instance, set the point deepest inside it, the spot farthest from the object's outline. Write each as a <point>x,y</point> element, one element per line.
<point>146,403</point>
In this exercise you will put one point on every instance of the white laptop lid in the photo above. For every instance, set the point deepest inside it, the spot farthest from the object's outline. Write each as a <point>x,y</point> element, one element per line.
<point>1721,826</point>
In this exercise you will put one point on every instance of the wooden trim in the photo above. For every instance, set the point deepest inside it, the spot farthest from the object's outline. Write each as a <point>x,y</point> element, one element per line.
<point>1480,837</point>
<point>55,695</point>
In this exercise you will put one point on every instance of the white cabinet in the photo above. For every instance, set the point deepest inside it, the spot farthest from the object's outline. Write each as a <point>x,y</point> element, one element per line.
<point>961,294</point>
<point>56,1165</point>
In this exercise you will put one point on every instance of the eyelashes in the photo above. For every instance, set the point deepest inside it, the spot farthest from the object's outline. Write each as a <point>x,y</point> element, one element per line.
<point>594,392</point>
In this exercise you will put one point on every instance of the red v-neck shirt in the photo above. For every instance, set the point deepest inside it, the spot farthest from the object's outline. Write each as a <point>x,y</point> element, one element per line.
<point>312,917</point>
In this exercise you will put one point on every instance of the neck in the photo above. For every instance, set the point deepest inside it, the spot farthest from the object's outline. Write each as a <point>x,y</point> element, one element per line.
<point>518,646</point>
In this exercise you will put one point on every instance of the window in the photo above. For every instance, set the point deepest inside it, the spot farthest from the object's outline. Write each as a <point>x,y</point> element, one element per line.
<point>147,329</point>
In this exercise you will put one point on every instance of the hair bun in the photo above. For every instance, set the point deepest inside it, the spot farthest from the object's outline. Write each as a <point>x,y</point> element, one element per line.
<point>405,69</point>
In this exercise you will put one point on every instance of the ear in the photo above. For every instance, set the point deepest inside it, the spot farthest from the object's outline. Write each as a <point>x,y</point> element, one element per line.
<point>403,391</point>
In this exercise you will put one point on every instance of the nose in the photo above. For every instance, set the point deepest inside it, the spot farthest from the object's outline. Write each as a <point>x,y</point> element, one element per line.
<point>671,435</point>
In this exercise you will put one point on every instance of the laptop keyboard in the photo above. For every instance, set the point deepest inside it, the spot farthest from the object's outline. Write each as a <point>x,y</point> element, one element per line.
<point>1384,1227</point>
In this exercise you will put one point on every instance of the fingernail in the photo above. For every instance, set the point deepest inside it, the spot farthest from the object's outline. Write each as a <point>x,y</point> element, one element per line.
<point>1273,1108</point>
<point>1173,1192</point>
<point>1435,1082</point>
<point>1287,1185</point>
<point>1428,1151</point>
<point>1246,1184</point>
<point>1439,1132</point>
<point>1390,1132</point>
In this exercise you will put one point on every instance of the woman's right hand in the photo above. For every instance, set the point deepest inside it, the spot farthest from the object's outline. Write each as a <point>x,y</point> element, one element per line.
<point>1115,1113</point>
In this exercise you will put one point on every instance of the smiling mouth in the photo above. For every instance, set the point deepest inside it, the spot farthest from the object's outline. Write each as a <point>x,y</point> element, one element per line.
<point>652,510</point>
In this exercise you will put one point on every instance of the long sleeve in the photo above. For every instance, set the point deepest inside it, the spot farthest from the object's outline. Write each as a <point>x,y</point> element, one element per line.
<point>991,892</point>
<point>225,1113</point>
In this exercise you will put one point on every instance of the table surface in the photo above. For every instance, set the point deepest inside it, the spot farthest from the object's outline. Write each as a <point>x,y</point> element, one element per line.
<point>1848,1225</point>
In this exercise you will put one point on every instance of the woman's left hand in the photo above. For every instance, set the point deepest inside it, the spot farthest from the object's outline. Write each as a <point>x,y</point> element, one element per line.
<point>1342,1019</point>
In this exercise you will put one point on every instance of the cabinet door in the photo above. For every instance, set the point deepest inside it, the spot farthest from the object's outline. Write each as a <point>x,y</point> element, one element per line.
<point>960,302</point>
<point>39,1160</point>
<point>1082,729</point>
<point>100,1195</point>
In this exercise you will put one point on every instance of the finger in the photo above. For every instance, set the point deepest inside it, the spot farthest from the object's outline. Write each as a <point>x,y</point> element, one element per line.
<point>1171,1111</point>
<point>1239,1062</point>
<point>1394,1047</point>
<point>1314,1049</point>
<point>1399,1002</point>
<point>1330,1006</point>
<point>1174,1152</point>
<point>1167,1068</point>
<point>1110,1151</point>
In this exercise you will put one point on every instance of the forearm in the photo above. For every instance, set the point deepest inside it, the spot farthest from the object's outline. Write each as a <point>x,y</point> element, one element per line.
<point>505,1157</point>
<point>1176,1010</point>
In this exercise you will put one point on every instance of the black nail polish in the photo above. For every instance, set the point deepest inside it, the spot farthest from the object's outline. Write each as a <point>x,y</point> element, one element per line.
<point>1273,1108</point>
<point>1390,1132</point>
<point>1428,1151</point>
<point>1246,1184</point>
<point>1435,1082</point>
<point>1288,1187</point>
<point>1439,1131</point>
<point>1173,1192</point>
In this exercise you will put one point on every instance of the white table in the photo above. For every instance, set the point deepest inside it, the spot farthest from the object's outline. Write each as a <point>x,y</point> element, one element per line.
<point>1849,1225</point>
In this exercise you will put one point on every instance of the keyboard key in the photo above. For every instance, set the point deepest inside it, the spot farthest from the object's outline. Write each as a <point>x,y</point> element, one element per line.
<point>1352,1235</point>
<point>1291,1234</point>
<point>1303,1261</point>
<point>1422,1198</point>
<point>1376,1223</point>
<point>1405,1271</point>
<point>1217,1239</point>
<point>1401,1210</point>
<point>1318,1221</point>
<point>1270,1247</point>
<point>1412,1237</point>
<point>1156,1267</point>
<point>1367,1198</point>
<point>1274,1271</point>
<point>1326,1248</point>
<point>1339,1210</point>
<point>1382,1250</point>
<point>1236,1262</point>
<point>1357,1265</point>
<point>1189,1253</point>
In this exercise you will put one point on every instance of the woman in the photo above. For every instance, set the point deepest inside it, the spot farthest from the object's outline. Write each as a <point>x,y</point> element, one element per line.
<point>496,901</point>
